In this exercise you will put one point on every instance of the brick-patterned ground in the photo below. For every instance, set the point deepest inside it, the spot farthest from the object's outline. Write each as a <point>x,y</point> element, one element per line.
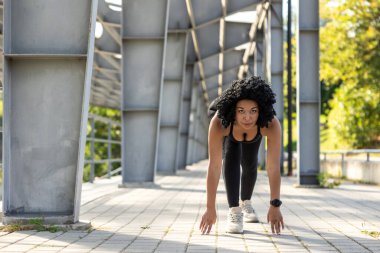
<point>165,218</point>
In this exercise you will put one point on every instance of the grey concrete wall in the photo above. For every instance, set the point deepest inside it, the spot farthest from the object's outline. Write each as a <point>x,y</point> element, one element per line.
<point>354,170</point>
<point>170,105</point>
<point>258,70</point>
<point>308,92</point>
<point>191,144</point>
<point>184,117</point>
<point>47,75</point>
<point>144,29</point>
<point>273,70</point>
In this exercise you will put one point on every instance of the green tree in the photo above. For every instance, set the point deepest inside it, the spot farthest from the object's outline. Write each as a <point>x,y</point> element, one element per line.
<point>101,149</point>
<point>355,116</point>
<point>349,68</point>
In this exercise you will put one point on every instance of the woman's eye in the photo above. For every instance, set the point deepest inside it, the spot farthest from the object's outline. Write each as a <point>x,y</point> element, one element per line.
<point>241,111</point>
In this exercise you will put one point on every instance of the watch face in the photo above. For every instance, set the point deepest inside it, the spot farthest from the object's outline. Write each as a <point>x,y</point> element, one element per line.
<point>276,202</point>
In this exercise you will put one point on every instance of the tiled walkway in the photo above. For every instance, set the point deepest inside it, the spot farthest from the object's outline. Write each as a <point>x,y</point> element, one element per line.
<point>165,218</point>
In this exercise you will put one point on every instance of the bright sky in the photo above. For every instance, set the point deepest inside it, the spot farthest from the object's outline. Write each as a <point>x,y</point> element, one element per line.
<point>242,17</point>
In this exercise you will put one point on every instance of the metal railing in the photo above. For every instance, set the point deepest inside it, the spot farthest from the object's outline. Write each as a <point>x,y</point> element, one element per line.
<point>344,153</point>
<point>92,118</point>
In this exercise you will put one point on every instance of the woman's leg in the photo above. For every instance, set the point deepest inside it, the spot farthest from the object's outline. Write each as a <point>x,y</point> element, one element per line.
<point>231,170</point>
<point>249,169</point>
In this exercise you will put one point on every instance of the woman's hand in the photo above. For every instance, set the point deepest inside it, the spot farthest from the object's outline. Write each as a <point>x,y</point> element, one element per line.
<point>208,219</point>
<point>275,219</point>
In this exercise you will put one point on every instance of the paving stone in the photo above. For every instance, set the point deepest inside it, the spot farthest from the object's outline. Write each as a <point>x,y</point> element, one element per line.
<point>166,219</point>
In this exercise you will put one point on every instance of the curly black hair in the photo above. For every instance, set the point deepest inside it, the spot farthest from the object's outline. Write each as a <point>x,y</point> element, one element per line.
<point>253,88</point>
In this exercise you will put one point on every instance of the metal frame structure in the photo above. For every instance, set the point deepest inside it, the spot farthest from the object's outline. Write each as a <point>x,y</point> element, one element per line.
<point>274,60</point>
<point>174,77</point>
<point>258,70</point>
<point>308,92</point>
<point>144,49</point>
<point>161,66</point>
<point>44,135</point>
<point>184,117</point>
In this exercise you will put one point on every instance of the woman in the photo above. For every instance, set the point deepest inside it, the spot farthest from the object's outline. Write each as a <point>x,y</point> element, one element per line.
<point>243,114</point>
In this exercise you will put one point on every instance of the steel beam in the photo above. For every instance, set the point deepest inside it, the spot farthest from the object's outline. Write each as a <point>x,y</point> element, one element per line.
<point>222,29</point>
<point>184,117</point>
<point>192,123</point>
<point>232,60</point>
<point>202,134</point>
<point>190,12</point>
<point>273,33</point>
<point>143,58</point>
<point>308,92</point>
<point>261,13</point>
<point>200,131</point>
<point>47,62</point>
<point>197,129</point>
<point>258,70</point>
<point>208,12</point>
<point>175,62</point>
<point>178,19</point>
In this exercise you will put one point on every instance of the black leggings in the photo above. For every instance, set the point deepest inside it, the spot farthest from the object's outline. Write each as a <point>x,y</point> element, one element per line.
<point>234,155</point>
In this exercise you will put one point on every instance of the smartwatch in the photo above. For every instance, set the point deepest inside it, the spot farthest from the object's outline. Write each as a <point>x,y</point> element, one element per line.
<point>276,202</point>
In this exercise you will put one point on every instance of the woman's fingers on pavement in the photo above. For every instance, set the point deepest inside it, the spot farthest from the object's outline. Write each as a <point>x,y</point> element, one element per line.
<point>205,226</point>
<point>278,229</point>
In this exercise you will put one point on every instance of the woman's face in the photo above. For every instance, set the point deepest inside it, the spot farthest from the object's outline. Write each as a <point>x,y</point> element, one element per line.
<point>247,113</point>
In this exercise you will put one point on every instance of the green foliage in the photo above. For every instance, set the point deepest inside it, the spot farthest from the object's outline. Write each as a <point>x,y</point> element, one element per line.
<point>355,116</point>
<point>349,68</point>
<point>37,224</point>
<point>374,234</point>
<point>325,180</point>
<point>106,112</point>
<point>101,149</point>
<point>10,228</point>
<point>327,93</point>
<point>33,224</point>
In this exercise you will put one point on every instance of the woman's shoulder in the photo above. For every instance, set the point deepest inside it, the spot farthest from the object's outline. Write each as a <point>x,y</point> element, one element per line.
<point>217,126</point>
<point>272,128</point>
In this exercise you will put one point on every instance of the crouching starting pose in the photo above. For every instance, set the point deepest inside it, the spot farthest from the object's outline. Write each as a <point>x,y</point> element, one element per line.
<point>240,117</point>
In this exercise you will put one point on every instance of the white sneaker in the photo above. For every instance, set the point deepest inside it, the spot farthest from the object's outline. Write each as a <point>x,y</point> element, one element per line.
<point>248,212</point>
<point>235,220</point>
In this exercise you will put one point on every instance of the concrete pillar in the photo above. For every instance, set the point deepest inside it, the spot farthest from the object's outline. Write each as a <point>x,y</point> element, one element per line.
<point>258,70</point>
<point>171,102</point>
<point>308,92</point>
<point>200,137</point>
<point>198,132</point>
<point>48,59</point>
<point>184,117</point>
<point>277,63</point>
<point>203,140</point>
<point>274,58</point>
<point>192,123</point>
<point>144,29</point>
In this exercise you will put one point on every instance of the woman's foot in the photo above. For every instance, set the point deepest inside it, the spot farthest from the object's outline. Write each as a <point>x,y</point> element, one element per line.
<point>248,212</point>
<point>235,220</point>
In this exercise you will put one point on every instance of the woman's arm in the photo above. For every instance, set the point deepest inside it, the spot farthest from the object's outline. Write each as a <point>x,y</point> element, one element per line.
<point>215,147</point>
<point>273,133</point>
<point>273,157</point>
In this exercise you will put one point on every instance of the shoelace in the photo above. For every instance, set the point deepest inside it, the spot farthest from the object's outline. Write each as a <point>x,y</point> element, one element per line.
<point>236,218</point>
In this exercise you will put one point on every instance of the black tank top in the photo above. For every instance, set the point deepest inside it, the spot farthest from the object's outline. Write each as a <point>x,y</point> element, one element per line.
<point>255,139</point>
